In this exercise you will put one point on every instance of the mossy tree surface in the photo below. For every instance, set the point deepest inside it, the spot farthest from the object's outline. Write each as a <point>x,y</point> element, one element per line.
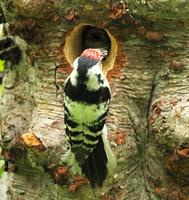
<point>148,116</point>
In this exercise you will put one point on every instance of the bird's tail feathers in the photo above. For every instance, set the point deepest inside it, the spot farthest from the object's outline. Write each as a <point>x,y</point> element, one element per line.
<point>100,162</point>
<point>94,167</point>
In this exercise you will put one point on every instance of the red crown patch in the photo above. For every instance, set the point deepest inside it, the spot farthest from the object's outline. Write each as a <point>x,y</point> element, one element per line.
<point>92,54</point>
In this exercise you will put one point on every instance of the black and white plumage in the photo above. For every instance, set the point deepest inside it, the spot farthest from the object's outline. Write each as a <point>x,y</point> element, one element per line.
<point>10,51</point>
<point>86,99</point>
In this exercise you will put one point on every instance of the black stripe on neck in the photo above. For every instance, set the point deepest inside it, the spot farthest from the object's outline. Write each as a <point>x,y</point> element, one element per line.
<point>86,62</point>
<point>80,93</point>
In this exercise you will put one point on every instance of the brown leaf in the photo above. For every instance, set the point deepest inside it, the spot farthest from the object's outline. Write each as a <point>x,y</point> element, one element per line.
<point>77,183</point>
<point>154,36</point>
<point>183,152</point>
<point>72,15</point>
<point>176,65</point>
<point>158,190</point>
<point>117,10</point>
<point>30,140</point>
<point>56,17</point>
<point>174,101</point>
<point>120,138</point>
<point>142,30</point>
<point>67,69</point>
<point>116,13</point>
<point>168,53</point>
<point>61,175</point>
<point>157,111</point>
<point>173,194</point>
<point>151,120</point>
<point>8,155</point>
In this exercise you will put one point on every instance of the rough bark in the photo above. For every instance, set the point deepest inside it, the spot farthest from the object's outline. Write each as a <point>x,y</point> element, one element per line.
<point>148,117</point>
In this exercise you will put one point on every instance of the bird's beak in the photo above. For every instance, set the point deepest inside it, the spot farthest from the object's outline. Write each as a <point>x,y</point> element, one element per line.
<point>104,53</point>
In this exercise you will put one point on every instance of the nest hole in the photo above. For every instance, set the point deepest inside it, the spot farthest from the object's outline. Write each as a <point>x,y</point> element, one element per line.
<point>85,36</point>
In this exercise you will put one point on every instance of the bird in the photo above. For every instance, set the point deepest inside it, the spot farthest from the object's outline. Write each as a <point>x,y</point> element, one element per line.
<point>86,101</point>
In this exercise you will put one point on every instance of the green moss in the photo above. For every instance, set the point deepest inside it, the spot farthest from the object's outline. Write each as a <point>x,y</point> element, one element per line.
<point>2,65</point>
<point>1,70</point>
<point>1,89</point>
<point>2,163</point>
<point>168,9</point>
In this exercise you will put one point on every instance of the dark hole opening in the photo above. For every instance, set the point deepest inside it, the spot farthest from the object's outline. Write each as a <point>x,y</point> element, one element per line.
<point>93,37</point>
<point>87,36</point>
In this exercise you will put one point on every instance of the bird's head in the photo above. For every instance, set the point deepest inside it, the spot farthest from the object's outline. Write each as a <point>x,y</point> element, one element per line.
<point>95,54</point>
<point>90,57</point>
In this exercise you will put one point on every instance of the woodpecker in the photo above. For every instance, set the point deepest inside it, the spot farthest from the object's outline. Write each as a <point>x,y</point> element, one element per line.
<point>86,99</point>
<point>10,50</point>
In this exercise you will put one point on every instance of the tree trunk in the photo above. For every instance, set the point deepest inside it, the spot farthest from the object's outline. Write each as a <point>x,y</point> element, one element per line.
<point>147,68</point>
